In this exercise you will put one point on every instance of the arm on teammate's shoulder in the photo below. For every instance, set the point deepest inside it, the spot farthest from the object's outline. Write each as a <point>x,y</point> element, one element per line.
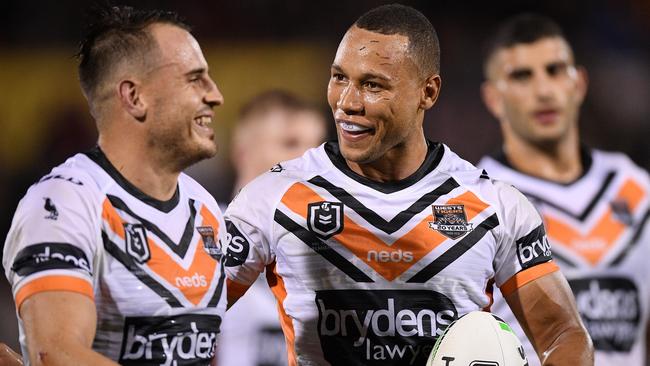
<point>8,357</point>
<point>59,329</point>
<point>546,310</point>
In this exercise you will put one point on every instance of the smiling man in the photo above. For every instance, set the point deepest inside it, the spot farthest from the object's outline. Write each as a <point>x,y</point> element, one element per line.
<point>374,244</point>
<point>595,204</point>
<point>114,255</point>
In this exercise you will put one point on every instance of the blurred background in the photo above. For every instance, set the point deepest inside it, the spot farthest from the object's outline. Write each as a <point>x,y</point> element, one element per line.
<point>254,45</point>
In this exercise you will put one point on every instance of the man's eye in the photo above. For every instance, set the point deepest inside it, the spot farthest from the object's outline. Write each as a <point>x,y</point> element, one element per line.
<point>556,69</point>
<point>372,85</point>
<point>338,77</point>
<point>520,75</point>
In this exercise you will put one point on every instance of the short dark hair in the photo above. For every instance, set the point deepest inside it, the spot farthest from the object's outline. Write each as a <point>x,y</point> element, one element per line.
<point>114,33</point>
<point>409,22</point>
<point>524,28</point>
<point>274,98</point>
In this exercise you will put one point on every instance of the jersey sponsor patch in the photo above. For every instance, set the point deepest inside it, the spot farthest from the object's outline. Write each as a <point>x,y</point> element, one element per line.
<point>46,256</point>
<point>533,248</point>
<point>180,340</point>
<point>237,247</point>
<point>136,242</point>
<point>325,218</point>
<point>212,247</point>
<point>381,327</point>
<point>450,220</point>
<point>611,310</point>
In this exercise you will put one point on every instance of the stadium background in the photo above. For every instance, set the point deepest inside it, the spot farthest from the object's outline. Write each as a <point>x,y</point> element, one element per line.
<point>253,45</point>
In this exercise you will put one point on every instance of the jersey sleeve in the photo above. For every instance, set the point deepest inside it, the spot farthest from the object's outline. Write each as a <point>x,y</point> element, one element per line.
<point>248,244</point>
<point>52,240</point>
<point>523,250</point>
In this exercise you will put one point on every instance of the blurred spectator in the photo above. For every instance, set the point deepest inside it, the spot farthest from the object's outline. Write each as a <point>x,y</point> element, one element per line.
<point>274,126</point>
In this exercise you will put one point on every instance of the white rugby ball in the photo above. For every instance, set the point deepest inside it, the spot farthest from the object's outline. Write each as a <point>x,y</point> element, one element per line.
<point>478,339</point>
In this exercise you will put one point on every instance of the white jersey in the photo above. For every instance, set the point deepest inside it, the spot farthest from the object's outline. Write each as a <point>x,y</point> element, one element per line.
<point>367,273</point>
<point>250,333</point>
<point>151,266</point>
<point>600,232</point>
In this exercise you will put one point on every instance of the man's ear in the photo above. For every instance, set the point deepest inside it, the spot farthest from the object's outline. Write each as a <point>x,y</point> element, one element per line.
<point>130,99</point>
<point>492,99</point>
<point>431,91</point>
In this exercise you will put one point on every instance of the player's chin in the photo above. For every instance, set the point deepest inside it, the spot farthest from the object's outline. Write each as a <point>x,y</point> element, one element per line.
<point>204,148</point>
<point>356,154</point>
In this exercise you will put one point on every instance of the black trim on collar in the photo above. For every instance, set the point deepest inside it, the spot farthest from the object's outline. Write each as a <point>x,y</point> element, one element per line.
<point>435,151</point>
<point>585,159</point>
<point>98,156</point>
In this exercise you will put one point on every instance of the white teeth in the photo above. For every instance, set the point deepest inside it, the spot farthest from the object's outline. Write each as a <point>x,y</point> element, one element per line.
<point>351,127</point>
<point>203,121</point>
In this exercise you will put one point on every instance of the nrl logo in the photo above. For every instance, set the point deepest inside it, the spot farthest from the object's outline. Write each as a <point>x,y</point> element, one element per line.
<point>136,242</point>
<point>450,220</point>
<point>325,219</point>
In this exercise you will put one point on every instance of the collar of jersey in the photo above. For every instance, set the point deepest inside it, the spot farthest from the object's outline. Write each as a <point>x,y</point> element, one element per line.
<point>98,156</point>
<point>435,152</point>
<point>585,158</point>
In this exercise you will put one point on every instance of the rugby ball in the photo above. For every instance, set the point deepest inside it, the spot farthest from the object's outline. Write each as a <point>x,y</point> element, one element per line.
<point>478,339</point>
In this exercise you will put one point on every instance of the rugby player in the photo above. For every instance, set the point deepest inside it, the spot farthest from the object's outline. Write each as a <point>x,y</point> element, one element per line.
<point>114,255</point>
<point>374,244</point>
<point>595,204</point>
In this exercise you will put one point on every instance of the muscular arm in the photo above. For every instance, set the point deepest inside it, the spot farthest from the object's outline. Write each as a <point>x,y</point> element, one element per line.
<point>547,312</point>
<point>60,327</point>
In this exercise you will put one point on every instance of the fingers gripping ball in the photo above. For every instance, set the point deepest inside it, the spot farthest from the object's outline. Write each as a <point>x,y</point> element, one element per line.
<point>478,339</point>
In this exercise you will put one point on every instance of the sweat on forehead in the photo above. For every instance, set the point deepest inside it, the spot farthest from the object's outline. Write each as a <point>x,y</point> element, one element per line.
<point>371,44</point>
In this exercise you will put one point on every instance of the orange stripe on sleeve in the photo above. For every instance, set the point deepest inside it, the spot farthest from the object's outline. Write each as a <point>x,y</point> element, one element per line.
<point>279,290</point>
<point>526,276</point>
<point>54,283</point>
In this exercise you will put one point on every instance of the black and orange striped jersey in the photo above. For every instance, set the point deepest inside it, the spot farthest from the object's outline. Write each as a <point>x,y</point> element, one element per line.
<point>152,267</point>
<point>600,232</point>
<point>369,273</point>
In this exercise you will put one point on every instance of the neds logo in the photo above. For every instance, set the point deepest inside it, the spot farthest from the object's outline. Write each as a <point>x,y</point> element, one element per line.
<point>390,256</point>
<point>170,341</point>
<point>381,327</point>
<point>40,257</point>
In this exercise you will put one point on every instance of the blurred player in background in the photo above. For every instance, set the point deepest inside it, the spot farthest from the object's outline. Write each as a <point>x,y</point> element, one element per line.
<point>595,204</point>
<point>114,256</point>
<point>273,126</point>
<point>374,244</point>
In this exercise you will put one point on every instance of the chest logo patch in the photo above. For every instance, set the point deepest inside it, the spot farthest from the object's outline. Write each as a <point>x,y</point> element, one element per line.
<point>209,244</point>
<point>325,218</point>
<point>450,220</point>
<point>136,242</point>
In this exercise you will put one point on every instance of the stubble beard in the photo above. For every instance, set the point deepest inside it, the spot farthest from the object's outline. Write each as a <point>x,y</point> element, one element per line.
<point>177,153</point>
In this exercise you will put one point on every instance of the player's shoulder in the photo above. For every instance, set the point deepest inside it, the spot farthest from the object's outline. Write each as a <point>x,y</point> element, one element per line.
<point>72,176</point>
<point>69,185</point>
<point>496,192</point>
<point>281,176</point>
<point>196,191</point>
<point>616,161</point>
<point>463,172</point>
